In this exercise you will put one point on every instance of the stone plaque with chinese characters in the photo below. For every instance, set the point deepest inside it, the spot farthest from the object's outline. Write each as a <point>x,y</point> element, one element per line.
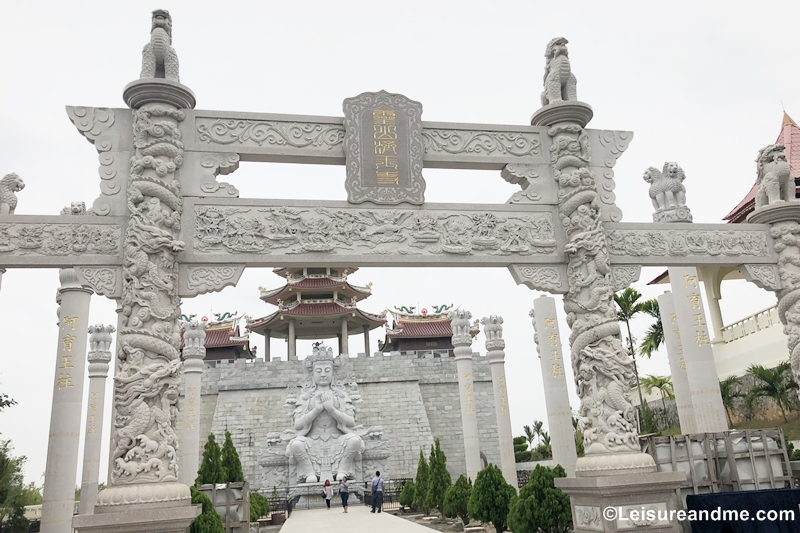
<point>383,149</point>
<point>701,371</point>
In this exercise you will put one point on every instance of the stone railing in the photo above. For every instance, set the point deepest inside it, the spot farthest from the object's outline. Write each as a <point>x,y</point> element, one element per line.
<point>753,323</point>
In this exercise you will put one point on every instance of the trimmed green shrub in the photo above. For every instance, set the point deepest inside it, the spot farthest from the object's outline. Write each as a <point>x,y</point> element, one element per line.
<point>407,494</point>
<point>456,500</point>
<point>259,506</point>
<point>438,478</point>
<point>231,465</point>
<point>540,506</point>
<point>211,466</point>
<point>490,498</point>
<point>421,481</point>
<point>208,521</point>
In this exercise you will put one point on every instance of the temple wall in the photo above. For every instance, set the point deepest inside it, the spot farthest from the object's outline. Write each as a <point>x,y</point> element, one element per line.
<point>413,400</point>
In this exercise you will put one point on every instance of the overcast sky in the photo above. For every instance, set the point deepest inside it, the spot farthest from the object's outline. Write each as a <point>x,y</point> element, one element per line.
<point>700,83</point>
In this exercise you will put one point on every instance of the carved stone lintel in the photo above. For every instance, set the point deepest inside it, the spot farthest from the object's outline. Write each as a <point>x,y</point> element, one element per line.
<point>623,276</point>
<point>764,276</point>
<point>552,279</point>
<point>201,279</point>
<point>102,280</point>
<point>607,147</point>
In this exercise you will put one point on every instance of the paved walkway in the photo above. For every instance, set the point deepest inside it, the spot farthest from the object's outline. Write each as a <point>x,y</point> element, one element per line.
<point>358,518</point>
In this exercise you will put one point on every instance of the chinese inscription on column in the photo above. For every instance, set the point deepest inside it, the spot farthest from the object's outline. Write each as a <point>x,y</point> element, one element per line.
<point>501,380</point>
<point>469,406</point>
<point>91,419</point>
<point>383,149</point>
<point>191,398</point>
<point>64,379</point>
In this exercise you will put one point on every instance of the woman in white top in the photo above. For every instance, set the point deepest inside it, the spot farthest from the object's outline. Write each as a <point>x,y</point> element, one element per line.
<point>328,491</point>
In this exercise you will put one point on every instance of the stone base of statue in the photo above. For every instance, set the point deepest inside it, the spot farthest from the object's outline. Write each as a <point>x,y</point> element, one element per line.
<point>640,501</point>
<point>151,508</point>
<point>159,91</point>
<point>614,464</point>
<point>675,214</point>
<point>567,111</point>
<point>778,212</point>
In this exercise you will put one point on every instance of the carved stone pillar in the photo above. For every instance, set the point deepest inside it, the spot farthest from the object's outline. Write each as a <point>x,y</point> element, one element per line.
<point>345,337</point>
<point>785,220</point>
<point>493,330</point>
<point>267,353</point>
<point>462,349</point>
<point>58,497</point>
<point>614,471</point>
<point>99,356</point>
<point>292,343</point>
<point>2,271</point>
<point>556,397</point>
<point>701,370</point>
<point>144,493</point>
<point>194,352</point>
<point>366,341</point>
<point>677,365</point>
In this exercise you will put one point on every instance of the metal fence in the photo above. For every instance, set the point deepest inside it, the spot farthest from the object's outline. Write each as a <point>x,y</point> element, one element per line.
<point>391,493</point>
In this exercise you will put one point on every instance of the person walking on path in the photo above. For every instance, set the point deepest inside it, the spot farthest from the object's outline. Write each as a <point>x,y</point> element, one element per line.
<point>328,490</point>
<point>377,492</point>
<point>344,492</point>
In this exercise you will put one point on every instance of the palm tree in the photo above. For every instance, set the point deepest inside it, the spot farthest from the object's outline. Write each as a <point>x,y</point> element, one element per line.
<point>774,384</point>
<point>537,428</point>
<point>729,389</point>
<point>664,386</point>
<point>630,306</point>
<point>530,435</point>
<point>654,335</point>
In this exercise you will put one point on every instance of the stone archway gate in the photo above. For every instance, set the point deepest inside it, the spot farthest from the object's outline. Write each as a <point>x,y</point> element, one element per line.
<point>165,227</point>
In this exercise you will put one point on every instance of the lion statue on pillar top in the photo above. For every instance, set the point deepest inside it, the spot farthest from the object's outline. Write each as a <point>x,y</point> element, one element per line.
<point>560,83</point>
<point>775,182</point>
<point>9,186</point>
<point>668,193</point>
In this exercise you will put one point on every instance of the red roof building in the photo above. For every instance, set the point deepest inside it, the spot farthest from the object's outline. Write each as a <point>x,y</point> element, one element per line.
<point>421,333</point>
<point>790,138</point>
<point>224,342</point>
<point>315,303</point>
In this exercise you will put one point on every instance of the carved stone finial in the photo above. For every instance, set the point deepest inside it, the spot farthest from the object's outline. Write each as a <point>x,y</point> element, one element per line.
<point>668,193</point>
<point>75,208</point>
<point>9,186</point>
<point>460,323</point>
<point>493,330</point>
<point>560,83</point>
<point>775,182</point>
<point>159,59</point>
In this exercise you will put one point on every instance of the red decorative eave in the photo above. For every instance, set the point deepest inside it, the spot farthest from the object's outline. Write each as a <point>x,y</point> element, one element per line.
<point>421,329</point>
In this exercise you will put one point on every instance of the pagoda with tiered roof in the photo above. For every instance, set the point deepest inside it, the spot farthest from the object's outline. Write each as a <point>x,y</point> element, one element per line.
<point>315,303</point>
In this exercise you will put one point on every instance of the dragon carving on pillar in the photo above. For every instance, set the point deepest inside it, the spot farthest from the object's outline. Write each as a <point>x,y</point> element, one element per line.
<point>148,376</point>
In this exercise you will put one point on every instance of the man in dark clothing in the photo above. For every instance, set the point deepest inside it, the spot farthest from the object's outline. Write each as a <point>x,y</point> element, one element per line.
<point>377,492</point>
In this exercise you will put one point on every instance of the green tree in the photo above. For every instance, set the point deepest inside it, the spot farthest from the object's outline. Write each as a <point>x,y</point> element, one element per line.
<point>421,482</point>
<point>654,336</point>
<point>521,452</point>
<point>490,498</point>
<point>530,434</point>
<point>456,499</point>
<point>664,386</point>
<point>628,307</point>
<point>12,491</point>
<point>208,521</point>
<point>5,401</point>
<point>438,478</point>
<point>407,494</point>
<point>537,427</point>
<point>540,506</point>
<point>774,384</point>
<point>211,466</point>
<point>580,448</point>
<point>649,424</point>
<point>231,465</point>
<point>729,390</point>
<point>259,506</point>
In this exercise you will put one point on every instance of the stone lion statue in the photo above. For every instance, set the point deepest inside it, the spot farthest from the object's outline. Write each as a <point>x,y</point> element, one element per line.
<point>668,193</point>
<point>775,181</point>
<point>559,82</point>
<point>75,208</point>
<point>9,186</point>
<point>159,59</point>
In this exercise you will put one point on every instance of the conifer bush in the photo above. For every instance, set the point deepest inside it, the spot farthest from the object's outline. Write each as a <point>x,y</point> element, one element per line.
<point>259,506</point>
<point>211,466</point>
<point>490,498</point>
<point>421,482</point>
<point>208,521</point>
<point>407,494</point>
<point>438,478</point>
<point>456,499</point>
<point>540,506</point>
<point>231,465</point>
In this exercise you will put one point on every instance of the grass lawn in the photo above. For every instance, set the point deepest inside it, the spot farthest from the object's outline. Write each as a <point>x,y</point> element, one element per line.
<point>791,430</point>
